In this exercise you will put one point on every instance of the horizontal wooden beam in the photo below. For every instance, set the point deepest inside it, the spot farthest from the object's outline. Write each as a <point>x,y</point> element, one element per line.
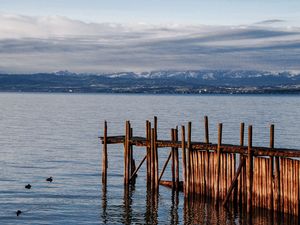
<point>201,146</point>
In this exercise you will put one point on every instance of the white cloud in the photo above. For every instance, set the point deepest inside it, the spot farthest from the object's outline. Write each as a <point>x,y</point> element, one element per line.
<point>44,44</point>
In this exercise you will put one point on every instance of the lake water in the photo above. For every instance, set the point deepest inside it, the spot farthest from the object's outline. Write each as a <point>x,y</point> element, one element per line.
<point>44,135</point>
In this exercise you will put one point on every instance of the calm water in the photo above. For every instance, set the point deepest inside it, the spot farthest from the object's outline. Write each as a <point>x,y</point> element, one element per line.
<point>44,135</point>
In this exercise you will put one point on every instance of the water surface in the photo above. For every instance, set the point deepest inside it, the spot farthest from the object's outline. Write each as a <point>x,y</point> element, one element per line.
<point>44,135</point>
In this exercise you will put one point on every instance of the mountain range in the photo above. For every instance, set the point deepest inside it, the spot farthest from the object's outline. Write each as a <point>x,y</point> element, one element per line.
<point>190,81</point>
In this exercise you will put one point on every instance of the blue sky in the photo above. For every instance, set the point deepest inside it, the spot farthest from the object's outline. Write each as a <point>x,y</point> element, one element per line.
<point>143,35</point>
<point>212,12</point>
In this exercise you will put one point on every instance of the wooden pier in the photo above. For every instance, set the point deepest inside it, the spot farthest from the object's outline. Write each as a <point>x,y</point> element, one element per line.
<point>249,176</point>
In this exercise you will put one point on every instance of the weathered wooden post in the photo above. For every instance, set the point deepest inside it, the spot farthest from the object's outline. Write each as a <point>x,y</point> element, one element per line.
<point>207,169</point>
<point>104,154</point>
<point>176,160</point>
<point>183,147</point>
<point>127,154</point>
<point>242,185</point>
<point>173,159</point>
<point>271,170</point>
<point>218,163</point>
<point>148,150</point>
<point>188,166</point>
<point>249,171</point>
<point>156,175</point>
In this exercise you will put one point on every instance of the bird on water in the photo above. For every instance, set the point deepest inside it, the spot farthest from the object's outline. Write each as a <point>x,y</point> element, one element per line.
<point>49,179</point>
<point>18,212</point>
<point>28,186</point>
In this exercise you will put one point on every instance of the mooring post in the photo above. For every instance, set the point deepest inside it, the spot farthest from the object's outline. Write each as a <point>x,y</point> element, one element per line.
<point>148,151</point>
<point>183,158</point>
<point>271,170</point>
<point>218,163</point>
<point>249,171</point>
<point>156,175</point>
<point>206,172</point>
<point>277,178</point>
<point>188,169</point>
<point>104,154</point>
<point>242,185</point>
<point>173,159</point>
<point>176,160</point>
<point>127,154</point>
<point>152,160</point>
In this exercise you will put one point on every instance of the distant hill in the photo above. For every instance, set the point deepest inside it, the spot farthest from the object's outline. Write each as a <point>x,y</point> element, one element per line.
<point>206,81</point>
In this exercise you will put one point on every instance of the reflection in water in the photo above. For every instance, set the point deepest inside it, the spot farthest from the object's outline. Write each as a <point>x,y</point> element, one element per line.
<point>151,214</point>
<point>174,207</point>
<point>196,210</point>
<point>104,203</point>
<point>127,201</point>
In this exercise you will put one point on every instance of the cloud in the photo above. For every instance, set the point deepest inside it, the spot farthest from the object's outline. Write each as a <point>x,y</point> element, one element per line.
<point>45,44</point>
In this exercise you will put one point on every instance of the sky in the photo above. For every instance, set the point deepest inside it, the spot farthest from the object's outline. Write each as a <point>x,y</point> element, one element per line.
<point>141,35</point>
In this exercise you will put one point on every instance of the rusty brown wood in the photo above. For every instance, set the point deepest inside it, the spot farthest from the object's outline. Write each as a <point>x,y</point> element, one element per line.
<point>104,154</point>
<point>148,150</point>
<point>217,194</point>
<point>173,159</point>
<point>139,166</point>
<point>249,171</point>
<point>176,160</point>
<point>183,147</point>
<point>165,166</point>
<point>206,167</point>
<point>201,146</point>
<point>189,140</point>
<point>234,181</point>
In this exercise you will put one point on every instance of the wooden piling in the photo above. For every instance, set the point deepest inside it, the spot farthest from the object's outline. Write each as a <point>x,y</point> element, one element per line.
<point>173,159</point>
<point>176,160</point>
<point>188,169</point>
<point>249,171</point>
<point>271,171</point>
<point>207,155</point>
<point>148,150</point>
<point>183,147</point>
<point>217,188</point>
<point>127,154</point>
<point>104,154</point>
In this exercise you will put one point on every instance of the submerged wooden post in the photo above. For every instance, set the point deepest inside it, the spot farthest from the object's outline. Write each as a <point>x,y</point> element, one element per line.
<point>271,170</point>
<point>207,169</point>
<point>156,175</point>
<point>277,177</point>
<point>173,159</point>
<point>249,171</point>
<point>188,169</point>
<point>242,190</point>
<point>148,150</point>
<point>127,154</point>
<point>218,163</point>
<point>176,160</point>
<point>183,157</point>
<point>104,154</point>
